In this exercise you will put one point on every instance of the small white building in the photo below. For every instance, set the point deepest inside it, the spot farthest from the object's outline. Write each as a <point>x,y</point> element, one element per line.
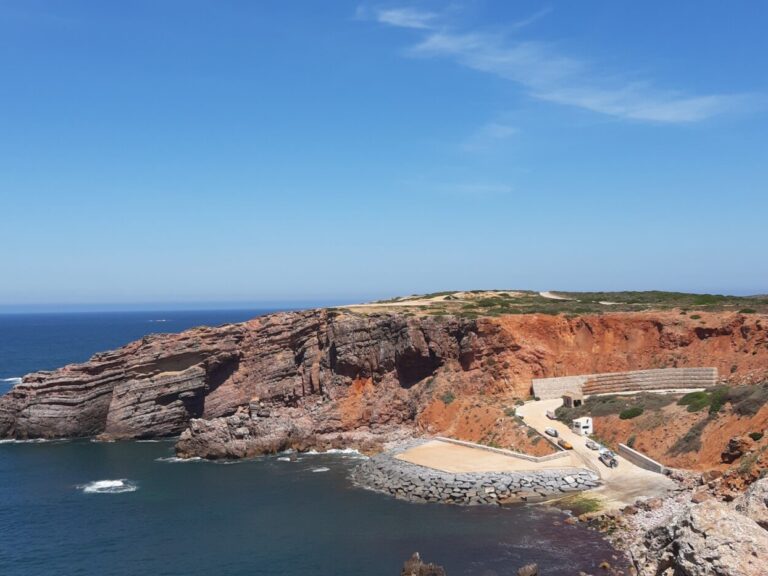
<point>582,426</point>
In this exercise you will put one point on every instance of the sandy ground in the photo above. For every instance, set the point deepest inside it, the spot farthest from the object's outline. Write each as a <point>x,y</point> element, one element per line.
<point>622,485</point>
<point>552,296</point>
<point>455,298</point>
<point>455,458</point>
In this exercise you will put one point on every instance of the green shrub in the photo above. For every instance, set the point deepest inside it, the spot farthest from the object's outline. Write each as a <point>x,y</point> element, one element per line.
<point>630,413</point>
<point>448,397</point>
<point>631,441</point>
<point>695,401</point>
<point>717,399</point>
<point>756,436</point>
<point>695,317</point>
<point>509,412</point>
<point>747,311</point>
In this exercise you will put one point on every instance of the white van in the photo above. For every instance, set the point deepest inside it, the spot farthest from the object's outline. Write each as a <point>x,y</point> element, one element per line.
<point>582,426</point>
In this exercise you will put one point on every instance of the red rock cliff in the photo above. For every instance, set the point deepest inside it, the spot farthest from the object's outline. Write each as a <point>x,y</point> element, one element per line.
<point>342,371</point>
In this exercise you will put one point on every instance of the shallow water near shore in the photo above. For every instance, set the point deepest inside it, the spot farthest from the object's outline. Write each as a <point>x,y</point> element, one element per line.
<point>125,508</point>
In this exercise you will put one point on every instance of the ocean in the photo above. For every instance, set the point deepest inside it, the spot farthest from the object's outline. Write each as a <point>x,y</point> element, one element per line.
<point>130,508</point>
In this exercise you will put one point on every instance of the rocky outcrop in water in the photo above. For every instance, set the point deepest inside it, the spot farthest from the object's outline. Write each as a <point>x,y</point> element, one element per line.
<point>414,566</point>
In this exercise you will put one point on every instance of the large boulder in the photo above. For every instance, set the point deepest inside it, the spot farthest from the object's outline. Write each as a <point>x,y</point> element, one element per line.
<point>709,539</point>
<point>754,503</point>
<point>736,448</point>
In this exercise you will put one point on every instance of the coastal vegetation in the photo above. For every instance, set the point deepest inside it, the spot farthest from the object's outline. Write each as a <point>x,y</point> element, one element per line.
<point>578,504</point>
<point>480,303</point>
<point>627,407</point>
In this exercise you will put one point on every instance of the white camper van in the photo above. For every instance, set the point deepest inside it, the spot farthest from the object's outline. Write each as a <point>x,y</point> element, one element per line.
<point>582,426</point>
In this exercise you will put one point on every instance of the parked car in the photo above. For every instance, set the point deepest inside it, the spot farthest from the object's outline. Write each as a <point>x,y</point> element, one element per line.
<point>564,444</point>
<point>608,458</point>
<point>551,415</point>
<point>551,432</point>
<point>592,445</point>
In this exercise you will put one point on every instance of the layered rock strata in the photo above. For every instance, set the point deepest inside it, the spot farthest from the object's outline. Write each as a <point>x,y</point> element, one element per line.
<point>337,372</point>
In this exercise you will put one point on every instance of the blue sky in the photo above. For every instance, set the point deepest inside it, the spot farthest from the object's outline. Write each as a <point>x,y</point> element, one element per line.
<point>219,151</point>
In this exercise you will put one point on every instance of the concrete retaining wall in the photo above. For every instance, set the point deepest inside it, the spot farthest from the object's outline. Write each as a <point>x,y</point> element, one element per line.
<point>546,458</point>
<point>634,381</point>
<point>640,459</point>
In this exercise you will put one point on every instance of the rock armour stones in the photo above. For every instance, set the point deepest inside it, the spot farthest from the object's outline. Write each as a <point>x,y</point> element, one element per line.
<point>407,481</point>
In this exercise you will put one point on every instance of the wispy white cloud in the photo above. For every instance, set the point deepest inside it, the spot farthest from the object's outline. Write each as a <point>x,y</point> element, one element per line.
<point>535,17</point>
<point>546,74</point>
<point>406,18</point>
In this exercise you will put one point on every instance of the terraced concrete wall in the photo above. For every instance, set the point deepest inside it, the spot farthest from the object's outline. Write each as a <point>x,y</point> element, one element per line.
<point>635,381</point>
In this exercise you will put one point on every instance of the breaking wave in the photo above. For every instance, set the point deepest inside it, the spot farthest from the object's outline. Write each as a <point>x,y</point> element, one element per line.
<point>320,469</point>
<point>177,459</point>
<point>108,487</point>
<point>13,381</point>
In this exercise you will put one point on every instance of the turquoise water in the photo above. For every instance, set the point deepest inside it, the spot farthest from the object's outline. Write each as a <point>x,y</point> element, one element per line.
<point>101,509</point>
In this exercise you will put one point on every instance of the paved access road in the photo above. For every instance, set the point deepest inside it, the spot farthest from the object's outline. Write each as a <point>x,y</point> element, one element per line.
<point>622,485</point>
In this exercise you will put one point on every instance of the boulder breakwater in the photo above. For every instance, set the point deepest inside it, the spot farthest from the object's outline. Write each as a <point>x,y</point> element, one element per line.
<point>406,481</point>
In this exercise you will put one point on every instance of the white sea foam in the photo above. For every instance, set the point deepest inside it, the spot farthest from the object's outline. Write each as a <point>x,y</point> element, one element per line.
<point>320,469</point>
<point>347,451</point>
<point>284,459</point>
<point>32,440</point>
<point>177,459</point>
<point>13,381</point>
<point>108,487</point>
<point>334,451</point>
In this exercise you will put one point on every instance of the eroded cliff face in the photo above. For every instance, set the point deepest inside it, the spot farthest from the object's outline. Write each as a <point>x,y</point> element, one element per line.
<point>154,386</point>
<point>327,372</point>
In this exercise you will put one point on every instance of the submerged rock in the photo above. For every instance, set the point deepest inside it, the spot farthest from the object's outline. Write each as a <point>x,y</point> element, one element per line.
<point>529,570</point>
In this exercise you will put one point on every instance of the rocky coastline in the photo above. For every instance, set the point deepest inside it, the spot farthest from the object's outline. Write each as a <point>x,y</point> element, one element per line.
<point>387,474</point>
<point>697,530</point>
<point>335,372</point>
<point>322,379</point>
